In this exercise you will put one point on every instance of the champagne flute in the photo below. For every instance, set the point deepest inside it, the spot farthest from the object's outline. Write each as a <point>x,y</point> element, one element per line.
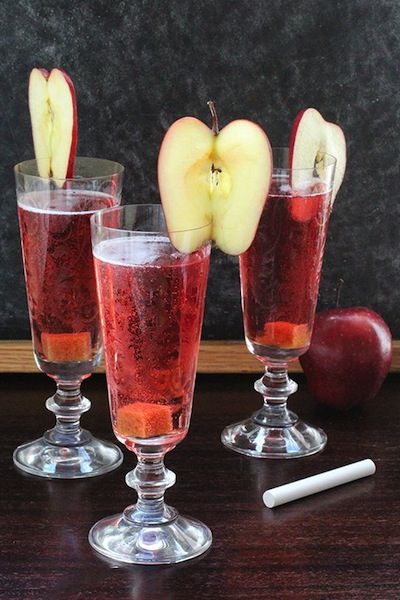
<point>54,218</point>
<point>151,303</point>
<point>280,275</point>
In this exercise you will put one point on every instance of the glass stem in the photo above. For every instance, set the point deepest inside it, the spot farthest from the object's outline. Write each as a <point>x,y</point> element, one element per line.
<point>68,405</point>
<point>150,478</point>
<point>275,386</point>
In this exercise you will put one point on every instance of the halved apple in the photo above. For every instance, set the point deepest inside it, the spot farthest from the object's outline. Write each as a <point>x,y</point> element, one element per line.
<point>310,138</point>
<point>52,105</point>
<point>213,184</point>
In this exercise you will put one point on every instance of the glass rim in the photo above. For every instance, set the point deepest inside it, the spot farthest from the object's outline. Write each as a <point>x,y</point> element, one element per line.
<point>331,161</point>
<point>97,217</point>
<point>119,170</point>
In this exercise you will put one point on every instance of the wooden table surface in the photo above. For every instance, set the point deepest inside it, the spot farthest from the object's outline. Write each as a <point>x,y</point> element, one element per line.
<point>344,543</point>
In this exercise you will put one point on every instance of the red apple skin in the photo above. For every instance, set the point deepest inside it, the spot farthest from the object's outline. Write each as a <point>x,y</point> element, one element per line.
<point>74,141</point>
<point>349,356</point>
<point>44,72</point>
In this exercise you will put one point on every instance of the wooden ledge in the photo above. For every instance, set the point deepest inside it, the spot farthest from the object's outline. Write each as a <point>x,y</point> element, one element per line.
<point>215,357</point>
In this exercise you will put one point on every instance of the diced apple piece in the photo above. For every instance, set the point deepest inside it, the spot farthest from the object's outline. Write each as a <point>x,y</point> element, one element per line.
<point>304,208</point>
<point>53,110</point>
<point>143,420</point>
<point>66,347</point>
<point>311,137</point>
<point>283,334</point>
<point>214,185</point>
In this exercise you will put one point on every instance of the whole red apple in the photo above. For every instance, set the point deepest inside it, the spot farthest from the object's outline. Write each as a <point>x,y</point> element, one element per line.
<point>349,356</point>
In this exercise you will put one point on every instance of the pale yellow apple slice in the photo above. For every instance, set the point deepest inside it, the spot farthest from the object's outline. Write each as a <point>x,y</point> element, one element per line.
<point>214,185</point>
<point>336,146</point>
<point>52,105</point>
<point>40,119</point>
<point>184,182</point>
<point>312,137</point>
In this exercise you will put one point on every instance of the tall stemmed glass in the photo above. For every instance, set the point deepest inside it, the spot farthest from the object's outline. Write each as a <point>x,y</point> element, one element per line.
<point>54,218</point>
<point>280,276</point>
<point>151,303</point>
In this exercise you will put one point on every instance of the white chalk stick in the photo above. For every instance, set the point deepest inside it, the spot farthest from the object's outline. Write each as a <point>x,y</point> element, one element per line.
<point>318,483</point>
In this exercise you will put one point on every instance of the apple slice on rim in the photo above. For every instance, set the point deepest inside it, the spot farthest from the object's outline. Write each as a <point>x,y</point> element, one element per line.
<point>52,106</point>
<point>311,137</point>
<point>214,184</point>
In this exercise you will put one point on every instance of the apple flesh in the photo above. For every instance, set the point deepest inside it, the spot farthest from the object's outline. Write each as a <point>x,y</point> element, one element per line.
<point>283,334</point>
<point>214,185</point>
<point>349,356</point>
<point>143,420</point>
<point>53,110</point>
<point>312,137</point>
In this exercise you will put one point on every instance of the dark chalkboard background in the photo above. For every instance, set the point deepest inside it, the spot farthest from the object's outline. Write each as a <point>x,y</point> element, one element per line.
<point>139,65</point>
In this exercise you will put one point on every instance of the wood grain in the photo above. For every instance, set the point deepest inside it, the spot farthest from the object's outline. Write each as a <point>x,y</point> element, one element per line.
<point>338,545</point>
<point>229,356</point>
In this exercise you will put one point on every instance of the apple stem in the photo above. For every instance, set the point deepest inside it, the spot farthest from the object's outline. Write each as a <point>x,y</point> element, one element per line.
<point>339,290</point>
<point>214,116</point>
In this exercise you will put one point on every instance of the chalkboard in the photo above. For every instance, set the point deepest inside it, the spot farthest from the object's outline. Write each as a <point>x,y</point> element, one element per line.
<point>139,65</point>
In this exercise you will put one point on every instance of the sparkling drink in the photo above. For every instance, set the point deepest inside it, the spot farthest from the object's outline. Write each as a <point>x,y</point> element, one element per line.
<point>152,301</point>
<point>280,272</point>
<point>59,272</point>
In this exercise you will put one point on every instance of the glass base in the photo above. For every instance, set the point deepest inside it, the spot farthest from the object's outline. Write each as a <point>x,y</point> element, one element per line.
<point>262,441</point>
<point>94,457</point>
<point>165,543</point>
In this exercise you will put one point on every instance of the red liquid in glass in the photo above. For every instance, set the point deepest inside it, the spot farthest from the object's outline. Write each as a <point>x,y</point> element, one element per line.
<point>280,272</point>
<point>152,303</point>
<point>59,273</point>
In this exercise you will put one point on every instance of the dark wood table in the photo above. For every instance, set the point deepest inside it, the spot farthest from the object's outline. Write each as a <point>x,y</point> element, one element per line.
<point>344,543</point>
